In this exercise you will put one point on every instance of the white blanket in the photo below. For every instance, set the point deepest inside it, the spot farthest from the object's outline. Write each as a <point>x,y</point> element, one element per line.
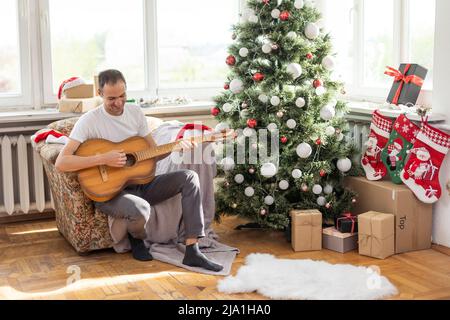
<point>165,230</point>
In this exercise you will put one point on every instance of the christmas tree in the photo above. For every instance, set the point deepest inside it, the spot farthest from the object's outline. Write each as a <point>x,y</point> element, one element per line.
<point>280,80</point>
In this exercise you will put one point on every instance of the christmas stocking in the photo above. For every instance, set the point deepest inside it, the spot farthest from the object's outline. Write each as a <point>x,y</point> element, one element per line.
<point>402,137</point>
<point>421,172</point>
<point>380,128</point>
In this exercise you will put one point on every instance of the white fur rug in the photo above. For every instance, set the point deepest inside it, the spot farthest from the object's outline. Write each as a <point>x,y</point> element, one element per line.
<point>307,279</point>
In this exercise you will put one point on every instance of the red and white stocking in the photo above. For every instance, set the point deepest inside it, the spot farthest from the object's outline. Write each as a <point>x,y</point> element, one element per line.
<point>421,172</point>
<point>380,129</point>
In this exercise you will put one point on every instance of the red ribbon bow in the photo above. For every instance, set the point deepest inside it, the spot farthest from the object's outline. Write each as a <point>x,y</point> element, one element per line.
<point>402,78</point>
<point>347,216</point>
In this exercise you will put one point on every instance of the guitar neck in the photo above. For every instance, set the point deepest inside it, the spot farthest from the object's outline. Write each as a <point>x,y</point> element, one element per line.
<point>169,147</point>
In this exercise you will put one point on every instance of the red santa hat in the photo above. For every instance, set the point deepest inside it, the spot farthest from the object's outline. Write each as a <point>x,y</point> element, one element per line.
<point>69,83</point>
<point>397,144</point>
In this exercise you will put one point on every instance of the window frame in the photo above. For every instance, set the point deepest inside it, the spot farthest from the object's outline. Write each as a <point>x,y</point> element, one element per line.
<point>23,99</point>
<point>401,47</point>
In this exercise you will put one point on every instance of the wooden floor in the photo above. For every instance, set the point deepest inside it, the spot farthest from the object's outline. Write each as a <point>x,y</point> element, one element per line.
<point>35,264</point>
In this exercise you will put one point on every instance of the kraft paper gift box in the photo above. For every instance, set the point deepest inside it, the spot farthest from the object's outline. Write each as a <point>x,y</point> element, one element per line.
<point>306,230</point>
<point>376,234</point>
<point>79,105</point>
<point>413,218</point>
<point>334,240</point>
<point>82,91</point>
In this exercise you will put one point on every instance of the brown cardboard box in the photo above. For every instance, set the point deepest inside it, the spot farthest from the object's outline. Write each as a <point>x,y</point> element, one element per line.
<point>376,234</point>
<point>79,105</point>
<point>334,240</point>
<point>306,230</point>
<point>413,218</point>
<point>96,85</point>
<point>82,91</point>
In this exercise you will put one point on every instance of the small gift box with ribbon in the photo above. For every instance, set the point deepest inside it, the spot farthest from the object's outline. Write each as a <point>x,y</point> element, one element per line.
<point>376,235</point>
<point>306,230</point>
<point>334,240</point>
<point>346,223</point>
<point>408,81</point>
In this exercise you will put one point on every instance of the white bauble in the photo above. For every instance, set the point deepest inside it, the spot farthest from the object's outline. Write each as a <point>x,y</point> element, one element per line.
<point>291,124</point>
<point>243,52</point>
<point>247,14</point>
<point>327,112</point>
<point>244,114</point>
<point>272,127</point>
<point>263,98</point>
<point>311,31</point>
<point>340,137</point>
<point>227,163</point>
<point>268,170</point>
<point>344,165</point>
<point>249,191</point>
<point>275,101</point>
<point>300,102</point>
<point>266,48</point>
<point>328,189</point>
<point>227,107</point>
<point>253,19</point>
<point>329,131</point>
<point>291,35</point>
<point>298,4</point>
<point>239,178</point>
<point>317,189</point>
<point>328,63</point>
<point>221,126</point>
<point>321,201</point>
<point>284,184</point>
<point>275,13</point>
<point>280,114</point>
<point>269,200</point>
<point>295,70</point>
<point>304,150</point>
<point>297,173</point>
<point>248,132</point>
<point>320,91</point>
<point>236,86</point>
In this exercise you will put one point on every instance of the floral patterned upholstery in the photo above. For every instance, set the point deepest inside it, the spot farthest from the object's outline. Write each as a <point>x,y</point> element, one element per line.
<point>85,227</point>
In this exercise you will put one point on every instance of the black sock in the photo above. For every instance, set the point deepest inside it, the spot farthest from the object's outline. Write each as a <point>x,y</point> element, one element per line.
<point>194,258</point>
<point>139,250</point>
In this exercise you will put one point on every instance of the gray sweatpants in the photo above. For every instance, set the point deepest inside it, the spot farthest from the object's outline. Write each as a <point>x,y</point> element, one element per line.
<point>133,203</point>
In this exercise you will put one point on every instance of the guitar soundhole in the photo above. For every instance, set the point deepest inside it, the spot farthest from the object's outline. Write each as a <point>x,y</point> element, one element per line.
<point>131,160</point>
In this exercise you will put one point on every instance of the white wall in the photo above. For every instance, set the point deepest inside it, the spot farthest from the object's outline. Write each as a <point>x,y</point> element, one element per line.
<point>441,104</point>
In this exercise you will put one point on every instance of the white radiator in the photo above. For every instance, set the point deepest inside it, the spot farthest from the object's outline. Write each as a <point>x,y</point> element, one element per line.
<point>359,133</point>
<point>23,183</point>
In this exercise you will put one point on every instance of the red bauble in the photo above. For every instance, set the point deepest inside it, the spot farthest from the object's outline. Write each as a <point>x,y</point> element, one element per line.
<point>283,140</point>
<point>251,123</point>
<point>317,83</point>
<point>215,111</point>
<point>309,56</point>
<point>322,173</point>
<point>231,60</point>
<point>266,1</point>
<point>226,86</point>
<point>284,15</point>
<point>318,142</point>
<point>258,76</point>
<point>328,205</point>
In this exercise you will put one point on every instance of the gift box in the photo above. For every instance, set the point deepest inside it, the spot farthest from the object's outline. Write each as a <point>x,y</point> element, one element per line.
<point>376,234</point>
<point>81,91</point>
<point>79,105</point>
<point>413,218</point>
<point>306,228</point>
<point>408,81</point>
<point>334,240</point>
<point>346,223</point>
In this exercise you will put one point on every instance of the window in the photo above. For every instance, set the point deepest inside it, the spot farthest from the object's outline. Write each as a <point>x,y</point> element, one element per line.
<point>192,41</point>
<point>369,35</point>
<point>14,55</point>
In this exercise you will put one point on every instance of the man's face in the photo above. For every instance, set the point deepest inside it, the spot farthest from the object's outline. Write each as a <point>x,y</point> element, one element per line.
<point>114,98</point>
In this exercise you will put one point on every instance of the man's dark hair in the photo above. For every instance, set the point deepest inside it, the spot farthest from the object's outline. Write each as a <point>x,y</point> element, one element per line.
<point>111,77</point>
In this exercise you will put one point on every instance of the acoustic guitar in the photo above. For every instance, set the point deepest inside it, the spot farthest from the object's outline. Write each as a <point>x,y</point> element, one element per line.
<point>102,183</point>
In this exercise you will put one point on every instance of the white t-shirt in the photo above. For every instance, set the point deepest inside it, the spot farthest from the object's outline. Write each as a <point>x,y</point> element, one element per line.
<point>99,124</point>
